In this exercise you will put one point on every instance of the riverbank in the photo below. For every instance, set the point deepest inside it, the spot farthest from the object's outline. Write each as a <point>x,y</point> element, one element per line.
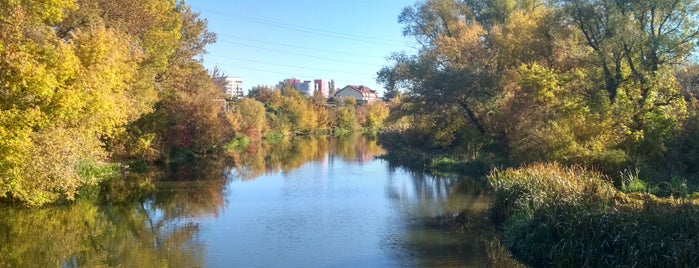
<point>550,215</point>
<point>434,163</point>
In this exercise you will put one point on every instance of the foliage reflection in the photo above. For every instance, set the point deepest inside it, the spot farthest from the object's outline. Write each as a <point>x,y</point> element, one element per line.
<point>88,235</point>
<point>446,219</point>
<point>139,222</point>
<point>259,158</point>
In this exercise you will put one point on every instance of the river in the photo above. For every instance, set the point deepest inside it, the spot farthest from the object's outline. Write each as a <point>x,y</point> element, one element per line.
<point>309,203</point>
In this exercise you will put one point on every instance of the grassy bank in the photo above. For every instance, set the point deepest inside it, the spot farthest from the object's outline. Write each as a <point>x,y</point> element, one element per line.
<point>435,163</point>
<point>551,215</point>
<point>556,216</point>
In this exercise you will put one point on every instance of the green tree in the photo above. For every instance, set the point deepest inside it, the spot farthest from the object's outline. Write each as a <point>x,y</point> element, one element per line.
<point>635,44</point>
<point>634,39</point>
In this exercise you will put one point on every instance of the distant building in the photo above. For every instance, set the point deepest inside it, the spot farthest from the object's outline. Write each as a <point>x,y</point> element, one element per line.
<point>307,87</point>
<point>320,85</point>
<point>234,87</point>
<point>331,87</point>
<point>291,81</point>
<point>360,93</point>
<point>297,84</point>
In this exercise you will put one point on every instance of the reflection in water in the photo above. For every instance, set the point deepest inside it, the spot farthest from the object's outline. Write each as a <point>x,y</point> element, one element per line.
<point>259,159</point>
<point>194,190</point>
<point>429,207</point>
<point>311,202</point>
<point>87,235</point>
<point>145,224</point>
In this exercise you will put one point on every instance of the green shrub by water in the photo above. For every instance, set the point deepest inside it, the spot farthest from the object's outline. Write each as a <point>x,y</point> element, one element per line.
<point>568,217</point>
<point>92,172</point>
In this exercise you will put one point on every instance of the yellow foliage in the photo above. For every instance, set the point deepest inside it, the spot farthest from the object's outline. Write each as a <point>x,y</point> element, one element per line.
<point>251,117</point>
<point>524,38</point>
<point>108,69</point>
<point>377,112</point>
<point>67,87</point>
<point>38,11</point>
<point>462,45</point>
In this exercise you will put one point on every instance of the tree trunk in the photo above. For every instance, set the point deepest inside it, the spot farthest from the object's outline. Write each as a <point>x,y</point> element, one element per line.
<point>471,116</point>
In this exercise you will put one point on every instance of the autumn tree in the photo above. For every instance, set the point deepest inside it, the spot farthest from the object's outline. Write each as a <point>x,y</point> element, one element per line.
<point>533,77</point>
<point>251,117</point>
<point>636,44</point>
<point>59,99</point>
<point>455,69</point>
<point>87,79</point>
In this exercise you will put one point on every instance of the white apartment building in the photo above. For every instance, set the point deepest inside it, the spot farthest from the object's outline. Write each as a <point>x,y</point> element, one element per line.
<point>234,87</point>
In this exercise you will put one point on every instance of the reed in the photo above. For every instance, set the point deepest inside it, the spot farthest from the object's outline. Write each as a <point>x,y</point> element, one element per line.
<point>556,216</point>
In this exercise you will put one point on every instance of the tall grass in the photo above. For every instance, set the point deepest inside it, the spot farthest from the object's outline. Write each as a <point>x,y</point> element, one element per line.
<point>542,185</point>
<point>571,217</point>
<point>632,183</point>
<point>92,174</point>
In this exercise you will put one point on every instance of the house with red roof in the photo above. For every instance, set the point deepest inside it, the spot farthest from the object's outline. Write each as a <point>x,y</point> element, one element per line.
<point>360,93</point>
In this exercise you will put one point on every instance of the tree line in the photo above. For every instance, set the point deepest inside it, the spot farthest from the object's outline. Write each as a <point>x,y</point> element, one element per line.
<point>270,112</point>
<point>607,84</point>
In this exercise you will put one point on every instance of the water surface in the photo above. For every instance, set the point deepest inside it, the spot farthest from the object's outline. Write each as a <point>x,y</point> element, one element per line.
<point>311,203</point>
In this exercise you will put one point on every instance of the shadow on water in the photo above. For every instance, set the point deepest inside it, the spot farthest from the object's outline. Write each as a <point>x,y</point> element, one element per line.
<point>447,223</point>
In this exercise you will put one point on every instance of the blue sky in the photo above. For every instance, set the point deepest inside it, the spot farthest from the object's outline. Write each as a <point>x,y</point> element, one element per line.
<point>267,41</point>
